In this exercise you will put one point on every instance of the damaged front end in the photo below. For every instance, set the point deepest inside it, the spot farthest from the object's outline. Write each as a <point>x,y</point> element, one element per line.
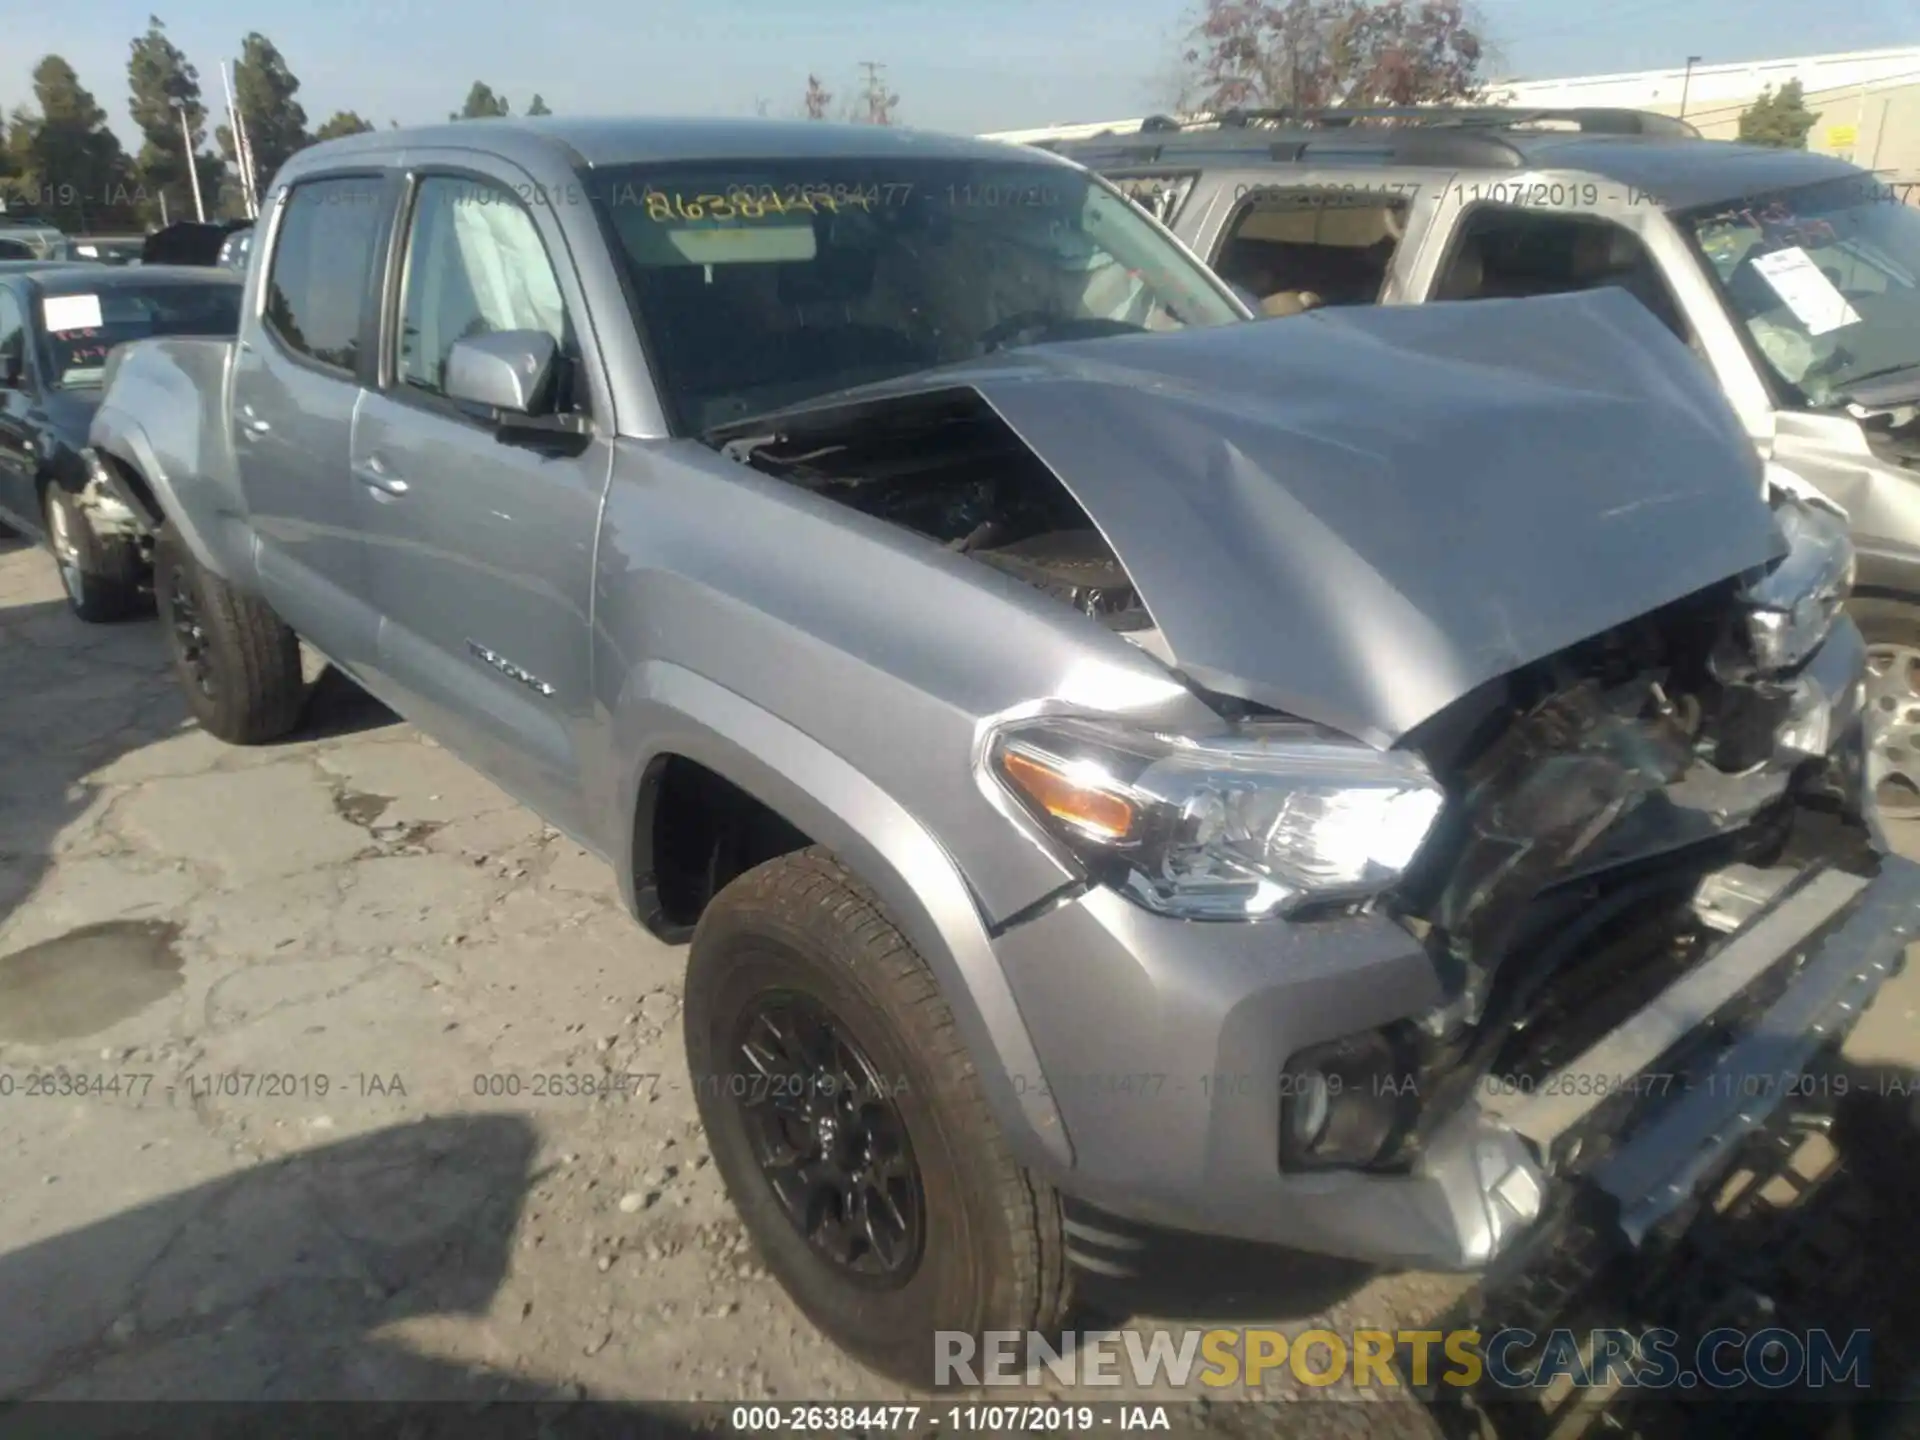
<point>1564,744</point>
<point>1657,894</point>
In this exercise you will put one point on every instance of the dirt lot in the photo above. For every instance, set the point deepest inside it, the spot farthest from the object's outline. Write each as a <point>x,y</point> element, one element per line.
<point>333,1001</point>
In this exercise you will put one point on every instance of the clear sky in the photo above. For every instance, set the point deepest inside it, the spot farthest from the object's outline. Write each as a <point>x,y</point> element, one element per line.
<point>988,64</point>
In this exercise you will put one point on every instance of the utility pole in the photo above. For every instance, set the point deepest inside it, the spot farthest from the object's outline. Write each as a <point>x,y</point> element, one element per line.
<point>879,102</point>
<point>193,170</point>
<point>1686,83</point>
<point>242,151</point>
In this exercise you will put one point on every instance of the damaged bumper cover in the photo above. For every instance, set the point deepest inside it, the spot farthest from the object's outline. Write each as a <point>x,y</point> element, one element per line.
<point>1196,1149</point>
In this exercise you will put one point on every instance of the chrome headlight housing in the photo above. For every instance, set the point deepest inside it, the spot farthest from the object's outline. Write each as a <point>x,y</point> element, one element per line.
<point>1255,823</point>
<point>1790,609</point>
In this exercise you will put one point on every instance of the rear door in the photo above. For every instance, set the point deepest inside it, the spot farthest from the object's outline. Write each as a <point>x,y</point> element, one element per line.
<point>480,542</point>
<point>298,375</point>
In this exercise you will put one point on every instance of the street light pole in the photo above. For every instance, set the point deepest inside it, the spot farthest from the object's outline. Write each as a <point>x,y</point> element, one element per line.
<point>1686,83</point>
<point>193,170</point>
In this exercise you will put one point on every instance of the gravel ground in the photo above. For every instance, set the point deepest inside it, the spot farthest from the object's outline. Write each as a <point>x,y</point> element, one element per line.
<point>335,1003</point>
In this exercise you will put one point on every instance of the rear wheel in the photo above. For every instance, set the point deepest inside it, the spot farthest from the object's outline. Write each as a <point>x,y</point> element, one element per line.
<point>849,1125</point>
<point>237,663</point>
<point>1892,632</point>
<point>100,573</point>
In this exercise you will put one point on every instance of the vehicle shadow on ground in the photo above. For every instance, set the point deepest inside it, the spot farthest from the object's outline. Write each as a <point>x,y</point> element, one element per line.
<point>1180,1277</point>
<point>75,698</point>
<point>273,1285</point>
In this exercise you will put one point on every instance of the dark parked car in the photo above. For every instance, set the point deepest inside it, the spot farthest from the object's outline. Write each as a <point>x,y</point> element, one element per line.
<point>58,327</point>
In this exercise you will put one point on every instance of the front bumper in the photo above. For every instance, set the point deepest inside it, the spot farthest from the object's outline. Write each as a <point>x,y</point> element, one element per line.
<point>1164,1043</point>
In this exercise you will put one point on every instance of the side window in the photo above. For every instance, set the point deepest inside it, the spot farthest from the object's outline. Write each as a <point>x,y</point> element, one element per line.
<point>1502,251</point>
<point>13,336</point>
<point>1299,249</point>
<point>475,265</point>
<point>322,263</point>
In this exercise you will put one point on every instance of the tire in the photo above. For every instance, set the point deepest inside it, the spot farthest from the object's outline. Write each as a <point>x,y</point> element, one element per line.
<point>1891,629</point>
<point>237,664</point>
<point>101,574</point>
<point>991,1252</point>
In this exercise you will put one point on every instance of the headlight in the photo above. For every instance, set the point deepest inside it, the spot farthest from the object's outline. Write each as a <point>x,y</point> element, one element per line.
<point>1253,824</point>
<point>1791,608</point>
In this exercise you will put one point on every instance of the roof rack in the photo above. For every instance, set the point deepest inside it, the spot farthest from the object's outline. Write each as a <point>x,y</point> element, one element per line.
<point>1413,134</point>
<point>1588,120</point>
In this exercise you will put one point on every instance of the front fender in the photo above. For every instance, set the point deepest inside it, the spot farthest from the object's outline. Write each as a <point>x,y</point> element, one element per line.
<point>666,709</point>
<point>154,499</point>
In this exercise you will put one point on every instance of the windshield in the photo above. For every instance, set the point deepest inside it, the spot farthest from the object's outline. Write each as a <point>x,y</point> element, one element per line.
<point>762,284</point>
<point>77,331</point>
<point>1825,279</point>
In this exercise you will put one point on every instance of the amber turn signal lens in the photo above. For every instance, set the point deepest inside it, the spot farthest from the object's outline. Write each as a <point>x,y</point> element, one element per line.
<point>1095,812</point>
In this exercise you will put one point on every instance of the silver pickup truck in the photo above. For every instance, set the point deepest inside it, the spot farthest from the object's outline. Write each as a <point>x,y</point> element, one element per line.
<point>1340,786</point>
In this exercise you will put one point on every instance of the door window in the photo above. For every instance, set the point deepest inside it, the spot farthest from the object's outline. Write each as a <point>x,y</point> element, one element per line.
<point>13,336</point>
<point>1501,251</point>
<point>475,266</point>
<point>322,265</point>
<point>1298,249</point>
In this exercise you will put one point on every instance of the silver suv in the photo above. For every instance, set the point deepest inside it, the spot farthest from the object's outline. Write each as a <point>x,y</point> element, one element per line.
<point>1342,786</point>
<point>1794,277</point>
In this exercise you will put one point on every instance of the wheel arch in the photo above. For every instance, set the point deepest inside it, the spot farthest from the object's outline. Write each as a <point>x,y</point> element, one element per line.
<point>671,717</point>
<point>143,485</point>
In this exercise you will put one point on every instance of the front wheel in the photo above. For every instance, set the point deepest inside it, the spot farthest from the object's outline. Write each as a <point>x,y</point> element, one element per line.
<point>1891,629</point>
<point>100,573</point>
<point>237,663</point>
<point>849,1125</point>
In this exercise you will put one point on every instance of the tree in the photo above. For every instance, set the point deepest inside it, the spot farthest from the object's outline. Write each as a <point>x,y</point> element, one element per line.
<point>1246,54</point>
<point>71,168</point>
<point>481,104</point>
<point>817,99</point>
<point>263,90</point>
<point>162,86</point>
<point>1778,118</point>
<point>342,122</point>
<point>537,106</point>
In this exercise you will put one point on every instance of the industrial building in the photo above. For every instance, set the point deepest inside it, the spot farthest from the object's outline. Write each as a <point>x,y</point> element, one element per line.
<point>1868,101</point>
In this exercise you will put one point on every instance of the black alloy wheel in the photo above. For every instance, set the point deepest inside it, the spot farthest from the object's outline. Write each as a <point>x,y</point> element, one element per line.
<point>829,1138</point>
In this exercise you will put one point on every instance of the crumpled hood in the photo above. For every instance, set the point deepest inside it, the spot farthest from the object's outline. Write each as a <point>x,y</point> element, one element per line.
<point>1360,515</point>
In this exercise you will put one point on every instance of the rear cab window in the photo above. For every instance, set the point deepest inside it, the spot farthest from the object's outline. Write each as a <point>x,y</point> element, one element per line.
<point>321,268</point>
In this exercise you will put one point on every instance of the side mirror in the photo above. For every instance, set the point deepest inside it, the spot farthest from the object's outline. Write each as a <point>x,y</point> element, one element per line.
<point>510,372</point>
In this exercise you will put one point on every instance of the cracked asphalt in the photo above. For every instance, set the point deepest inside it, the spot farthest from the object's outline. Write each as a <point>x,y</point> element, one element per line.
<point>328,1071</point>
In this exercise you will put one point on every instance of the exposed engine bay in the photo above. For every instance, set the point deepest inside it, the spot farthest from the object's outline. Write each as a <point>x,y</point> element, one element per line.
<point>1600,799</point>
<point>957,474</point>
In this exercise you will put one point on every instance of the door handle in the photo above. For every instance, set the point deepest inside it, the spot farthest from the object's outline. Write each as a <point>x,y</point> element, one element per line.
<point>251,424</point>
<point>374,474</point>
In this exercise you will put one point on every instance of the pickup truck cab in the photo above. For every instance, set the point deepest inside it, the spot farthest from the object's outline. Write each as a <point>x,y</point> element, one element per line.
<point>1234,777</point>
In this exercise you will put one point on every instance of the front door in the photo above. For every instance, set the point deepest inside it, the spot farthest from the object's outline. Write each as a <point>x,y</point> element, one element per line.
<point>480,543</point>
<point>17,462</point>
<point>295,388</point>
